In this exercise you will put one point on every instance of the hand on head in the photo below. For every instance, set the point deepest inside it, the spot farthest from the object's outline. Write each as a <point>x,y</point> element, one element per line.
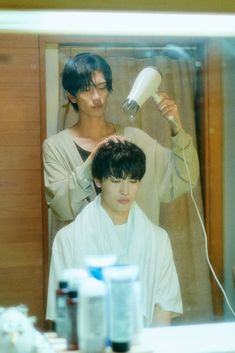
<point>114,138</point>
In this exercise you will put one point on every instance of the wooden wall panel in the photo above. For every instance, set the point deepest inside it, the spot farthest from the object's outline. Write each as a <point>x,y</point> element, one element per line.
<point>213,155</point>
<point>21,257</point>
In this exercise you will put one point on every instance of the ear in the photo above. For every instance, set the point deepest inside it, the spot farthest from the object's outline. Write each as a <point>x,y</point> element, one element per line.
<point>71,98</point>
<point>98,183</point>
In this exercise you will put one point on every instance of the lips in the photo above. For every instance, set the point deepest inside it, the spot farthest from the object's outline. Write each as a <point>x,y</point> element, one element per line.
<point>124,201</point>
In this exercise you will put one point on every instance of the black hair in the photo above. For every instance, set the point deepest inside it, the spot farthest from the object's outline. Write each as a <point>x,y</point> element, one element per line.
<point>119,160</point>
<point>78,70</point>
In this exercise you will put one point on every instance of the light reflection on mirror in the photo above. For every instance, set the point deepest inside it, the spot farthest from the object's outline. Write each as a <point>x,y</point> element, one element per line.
<point>133,23</point>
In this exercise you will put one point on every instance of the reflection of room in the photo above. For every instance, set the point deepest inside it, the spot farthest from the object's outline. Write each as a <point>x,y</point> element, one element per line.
<point>22,126</point>
<point>180,65</point>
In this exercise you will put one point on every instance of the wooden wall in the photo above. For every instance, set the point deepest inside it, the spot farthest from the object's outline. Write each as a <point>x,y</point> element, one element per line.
<point>150,5</point>
<point>21,257</point>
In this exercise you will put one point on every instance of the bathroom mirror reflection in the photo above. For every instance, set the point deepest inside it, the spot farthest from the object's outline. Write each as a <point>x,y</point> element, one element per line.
<point>193,73</point>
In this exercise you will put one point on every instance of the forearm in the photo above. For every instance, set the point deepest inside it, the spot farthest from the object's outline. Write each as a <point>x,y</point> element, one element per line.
<point>175,125</point>
<point>67,191</point>
<point>185,158</point>
<point>65,205</point>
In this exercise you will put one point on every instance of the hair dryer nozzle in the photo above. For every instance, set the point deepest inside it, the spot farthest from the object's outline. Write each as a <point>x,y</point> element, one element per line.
<point>144,87</point>
<point>131,107</point>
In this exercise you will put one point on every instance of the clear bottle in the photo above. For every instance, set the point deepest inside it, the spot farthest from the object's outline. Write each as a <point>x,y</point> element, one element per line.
<point>61,308</point>
<point>120,281</point>
<point>92,316</point>
<point>95,265</point>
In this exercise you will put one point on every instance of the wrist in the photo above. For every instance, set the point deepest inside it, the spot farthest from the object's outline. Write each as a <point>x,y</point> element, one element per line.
<point>175,126</point>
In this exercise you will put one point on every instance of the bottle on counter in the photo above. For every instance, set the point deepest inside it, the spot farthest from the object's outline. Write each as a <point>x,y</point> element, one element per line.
<point>92,316</point>
<point>71,328</point>
<point>120,281</point>
<point>96,263</point>
<point>61,308</point>
<point>74,278</point>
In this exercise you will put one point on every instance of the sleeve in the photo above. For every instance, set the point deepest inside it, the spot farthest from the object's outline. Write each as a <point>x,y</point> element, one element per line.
<point>168,293</point>
<point>66,190</point>
<point>178,168</point>
<point>172,169</point>
<point>61,259</point>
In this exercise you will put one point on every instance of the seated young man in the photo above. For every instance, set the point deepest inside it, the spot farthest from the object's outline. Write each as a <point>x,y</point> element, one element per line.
<point>114,224</point>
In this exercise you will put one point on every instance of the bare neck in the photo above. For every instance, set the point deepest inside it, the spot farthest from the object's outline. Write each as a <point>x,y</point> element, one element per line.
<point>93,128</point>
<point>116,217</point>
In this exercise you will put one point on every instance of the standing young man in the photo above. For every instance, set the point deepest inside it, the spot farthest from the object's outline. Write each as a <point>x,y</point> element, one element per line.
<point>114,224</point>
<point>67,156</point>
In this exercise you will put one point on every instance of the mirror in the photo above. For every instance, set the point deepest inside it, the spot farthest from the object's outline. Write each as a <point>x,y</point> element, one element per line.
<point>212,64</point>
<point>182,64</point>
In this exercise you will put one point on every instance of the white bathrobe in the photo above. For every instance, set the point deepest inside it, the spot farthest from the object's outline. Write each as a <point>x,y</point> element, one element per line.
<point>143,244</point>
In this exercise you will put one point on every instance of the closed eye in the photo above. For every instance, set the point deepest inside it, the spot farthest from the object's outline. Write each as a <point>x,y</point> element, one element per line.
<point>114,180</point>
<point>101,86</point>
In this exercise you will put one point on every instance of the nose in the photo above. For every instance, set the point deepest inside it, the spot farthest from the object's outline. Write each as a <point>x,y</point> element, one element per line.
<point>124,187</point>
<point>95,94</point>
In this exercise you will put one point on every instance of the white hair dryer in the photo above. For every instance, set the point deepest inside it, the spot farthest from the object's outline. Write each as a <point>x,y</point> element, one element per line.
<point>145,86</point>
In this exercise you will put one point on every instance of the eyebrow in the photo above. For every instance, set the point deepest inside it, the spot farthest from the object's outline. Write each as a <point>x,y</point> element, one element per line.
<point>99,83</point>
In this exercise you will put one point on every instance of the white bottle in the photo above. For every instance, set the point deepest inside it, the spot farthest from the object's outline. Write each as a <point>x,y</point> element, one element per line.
<point>92,317</point>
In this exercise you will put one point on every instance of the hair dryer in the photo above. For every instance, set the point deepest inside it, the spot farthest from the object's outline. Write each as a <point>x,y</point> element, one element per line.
<point>145,86</point>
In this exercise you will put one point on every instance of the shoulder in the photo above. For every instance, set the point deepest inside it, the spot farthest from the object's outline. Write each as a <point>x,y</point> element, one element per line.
<point>138,136</point>
<point>56,139</point>
<point>66,235</point>
<point>134,131</point>
<point>127,130</point>
<point>155,230</point>
<point>60,145</point>
<point>73,232</point>
<point>160,233</point>
<point>66,231</point>
<point>134,134</point>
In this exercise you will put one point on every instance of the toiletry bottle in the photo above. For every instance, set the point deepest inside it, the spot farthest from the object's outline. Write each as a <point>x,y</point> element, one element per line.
<point>61,308</point>
<point>120,284</point>
<point>71,330</point>
<point>75,278</point>
<point>92,316</point>
<point>96,263</point>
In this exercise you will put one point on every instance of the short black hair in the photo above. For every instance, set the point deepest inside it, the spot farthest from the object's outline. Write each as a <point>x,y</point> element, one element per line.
<point>119,160</point>
<point>78,70</point>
